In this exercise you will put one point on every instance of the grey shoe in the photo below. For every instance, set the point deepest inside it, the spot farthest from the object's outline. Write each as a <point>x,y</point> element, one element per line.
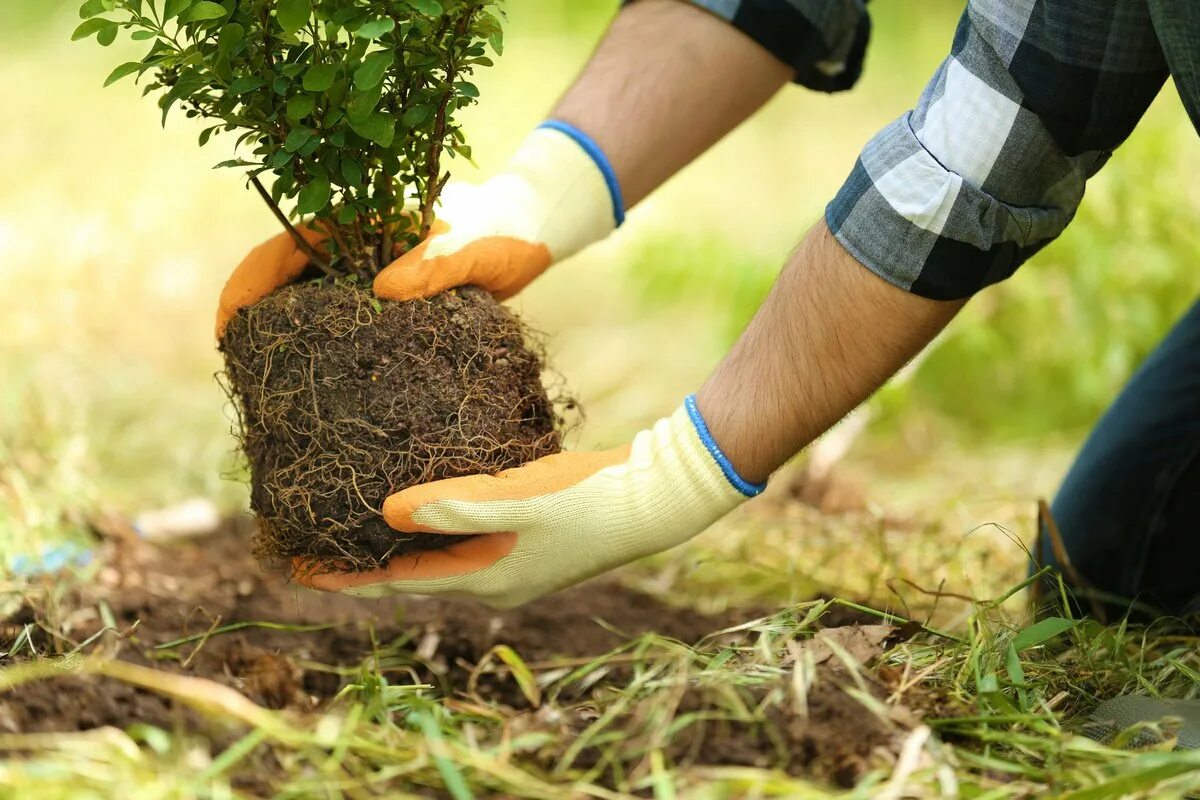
<point>1148,721</point>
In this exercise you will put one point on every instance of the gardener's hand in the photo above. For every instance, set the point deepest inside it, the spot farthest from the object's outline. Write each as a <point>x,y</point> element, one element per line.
<point>557,196</point>
<point>558,520</point>
<point>274,263</point>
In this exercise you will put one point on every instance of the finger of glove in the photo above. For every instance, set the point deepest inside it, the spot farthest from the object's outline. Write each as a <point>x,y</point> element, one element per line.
<point>471,555</point>
<point>274,263</point>
<point>470,505</point>
<point>501,265</point>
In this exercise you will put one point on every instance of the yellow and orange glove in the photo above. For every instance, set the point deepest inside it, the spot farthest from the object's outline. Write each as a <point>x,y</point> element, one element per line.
<point>558,520</point>
<point>558,195</point>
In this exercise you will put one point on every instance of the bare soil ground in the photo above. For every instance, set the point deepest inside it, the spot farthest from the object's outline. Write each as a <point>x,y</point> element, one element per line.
<point>159,594</point>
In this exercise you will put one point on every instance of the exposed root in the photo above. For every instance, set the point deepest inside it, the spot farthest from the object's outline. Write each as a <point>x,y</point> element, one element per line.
<point>344,400</point>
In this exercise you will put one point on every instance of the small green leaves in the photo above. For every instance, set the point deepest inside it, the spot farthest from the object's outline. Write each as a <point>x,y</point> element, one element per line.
<point>300,106</point>
<point>123,71</point>
<point>431,8</point>
<point>373,69</point>
<point>352,172</point>
<point>228,40</point>
<point>204,10</point>
<point>379,128</point>
<point>416,115</point>
<point>173,8</point>
<point>320,77</point>
<point>342,104</point>
<point>363,103</point>
<point>93,26</point>
<point>297,139</point>
<point>314,197</point>
<point>246,83</point>
<point>93,8</point>
<point>293,14</point>
<point>375,28</point>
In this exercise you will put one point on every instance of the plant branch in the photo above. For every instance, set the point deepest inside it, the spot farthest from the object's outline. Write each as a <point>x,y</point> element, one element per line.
<point>301,242</point>
<point>434,181</point>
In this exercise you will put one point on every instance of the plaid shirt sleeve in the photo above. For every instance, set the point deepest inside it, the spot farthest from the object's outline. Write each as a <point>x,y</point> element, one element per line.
<point>991,165</point>
<point>824,41</point>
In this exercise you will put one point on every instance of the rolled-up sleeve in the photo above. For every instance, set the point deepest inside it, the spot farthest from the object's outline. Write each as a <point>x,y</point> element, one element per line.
<point>823,41</point>
<point>992,163</point>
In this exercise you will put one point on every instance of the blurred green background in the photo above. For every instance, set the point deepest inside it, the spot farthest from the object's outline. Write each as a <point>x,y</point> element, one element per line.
<point>115,237</point>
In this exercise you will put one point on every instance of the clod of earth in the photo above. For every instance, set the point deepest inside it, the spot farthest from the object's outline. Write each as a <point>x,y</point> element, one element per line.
<point>345,399</point>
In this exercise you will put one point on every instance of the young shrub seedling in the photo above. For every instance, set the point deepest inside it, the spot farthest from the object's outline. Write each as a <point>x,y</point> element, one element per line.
<point>344,111</point>
<point>346,107</point>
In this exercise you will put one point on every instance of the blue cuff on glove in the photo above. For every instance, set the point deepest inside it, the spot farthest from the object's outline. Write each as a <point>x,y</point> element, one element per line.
<point>741,484</point>
<point>597,155</point>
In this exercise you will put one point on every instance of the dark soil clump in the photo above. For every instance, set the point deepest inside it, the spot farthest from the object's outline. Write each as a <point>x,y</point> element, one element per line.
<point>345,399</point>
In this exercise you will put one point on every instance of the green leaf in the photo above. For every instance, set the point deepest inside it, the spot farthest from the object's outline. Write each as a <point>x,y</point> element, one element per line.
<point>346,215</point>
<point>320,77</point>
<point>246,83</point>
<point>92,8</point>
<point>352,172</point>
<point>378,127</point>
<point>230,37</point>
<point>297,139</point>
<point>91,27</point>
<point>416,115</point>
<point>141,36</point>
<point>373,68</point>
<point>314,196</point>
<point>362,104</point>
<point>467,89</point>
<point>375,28</point>
<point>204,10</point>
<point>173,8</point>
<point>430,8</point>
<point>1042,631</point>
<point>107,36</point>
<point>293,14</point>
<point>300,106</point>
<point>122,71</point>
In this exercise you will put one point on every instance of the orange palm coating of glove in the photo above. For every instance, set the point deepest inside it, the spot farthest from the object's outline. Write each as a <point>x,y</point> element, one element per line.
<point>558,520</point>
<point>542,477</point>
<point>501,265</point>
<point>274,263</point>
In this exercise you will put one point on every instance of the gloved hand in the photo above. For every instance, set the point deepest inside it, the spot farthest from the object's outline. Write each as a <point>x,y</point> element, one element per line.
<point>274,263</point>
<point>558,520</point>
<point>558,195</point>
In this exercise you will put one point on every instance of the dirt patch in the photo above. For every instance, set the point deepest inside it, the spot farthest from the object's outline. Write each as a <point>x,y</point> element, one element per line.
<point>833,737</point>
<point>160,594</point>
<point>344,399</point>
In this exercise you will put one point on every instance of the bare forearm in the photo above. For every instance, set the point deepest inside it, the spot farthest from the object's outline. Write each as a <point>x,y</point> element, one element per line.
<point>666,83</point>
<point>829,334</point>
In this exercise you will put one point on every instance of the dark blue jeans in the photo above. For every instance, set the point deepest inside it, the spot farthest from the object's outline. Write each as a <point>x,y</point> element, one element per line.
<point>1129,509</point>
